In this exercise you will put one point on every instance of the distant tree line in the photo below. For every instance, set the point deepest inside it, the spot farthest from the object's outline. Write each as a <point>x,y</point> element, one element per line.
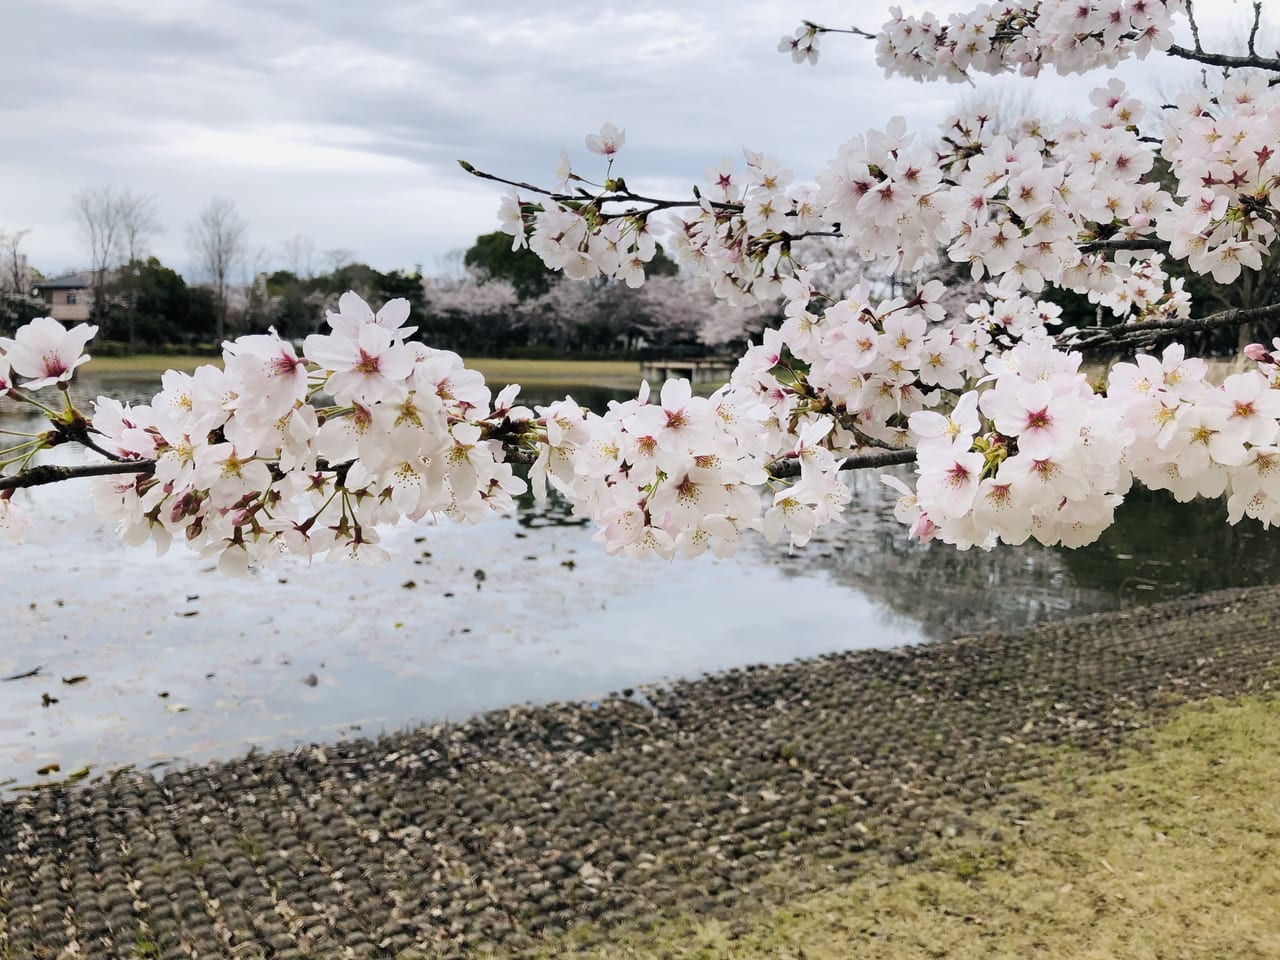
<point>497,302</point>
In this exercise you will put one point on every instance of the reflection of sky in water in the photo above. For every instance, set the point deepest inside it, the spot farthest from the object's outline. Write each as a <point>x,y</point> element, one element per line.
<point>295,654</point>
<point>552,618</point>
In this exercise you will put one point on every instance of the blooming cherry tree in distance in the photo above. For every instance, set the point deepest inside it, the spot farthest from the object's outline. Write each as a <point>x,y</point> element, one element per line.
<point>1012,436</point>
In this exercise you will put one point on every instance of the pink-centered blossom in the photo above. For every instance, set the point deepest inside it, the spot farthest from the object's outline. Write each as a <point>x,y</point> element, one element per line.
<point>366,368</point>
<point>608,141</point>
<point>46,352</point>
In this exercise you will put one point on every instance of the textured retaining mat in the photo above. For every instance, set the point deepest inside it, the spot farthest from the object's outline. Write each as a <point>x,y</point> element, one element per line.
<point>677,799</point>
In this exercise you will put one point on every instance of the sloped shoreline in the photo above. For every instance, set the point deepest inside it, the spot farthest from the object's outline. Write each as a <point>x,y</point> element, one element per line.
<point>523,823</point>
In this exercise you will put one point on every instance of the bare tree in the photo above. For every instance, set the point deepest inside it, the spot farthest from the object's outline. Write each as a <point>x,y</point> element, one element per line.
<point>451,267</point>
<point>216,239</point>
<point>300,256</point>
<point>15,273</point>
<point>139,223</point>
<point>98,213</point>
<point>17,305</point>
<point>338,257</point>
<point>117,226</point>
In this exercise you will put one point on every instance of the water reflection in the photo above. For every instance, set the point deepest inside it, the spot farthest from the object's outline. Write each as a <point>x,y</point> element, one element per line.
<point>184,663</point>
<point>1157,549</point>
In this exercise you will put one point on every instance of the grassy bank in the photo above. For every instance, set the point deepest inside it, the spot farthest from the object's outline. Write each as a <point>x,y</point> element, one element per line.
<point>1163,850</point>
<point>620,374</point>
<point>1054,792</point>
<point>617,374</point>
<point>147,363</point>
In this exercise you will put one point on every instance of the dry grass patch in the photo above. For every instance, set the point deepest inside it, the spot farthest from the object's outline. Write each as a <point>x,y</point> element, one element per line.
<point>147,363</point>
<point>616,374</point>
<point>621,374</point>
<point>1171,853</point>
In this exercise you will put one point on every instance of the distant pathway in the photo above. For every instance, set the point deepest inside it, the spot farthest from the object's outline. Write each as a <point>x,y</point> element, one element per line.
<point>527,821</point>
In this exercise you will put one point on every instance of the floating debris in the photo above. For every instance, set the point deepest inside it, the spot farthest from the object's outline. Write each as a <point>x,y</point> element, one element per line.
<point>35,672</point>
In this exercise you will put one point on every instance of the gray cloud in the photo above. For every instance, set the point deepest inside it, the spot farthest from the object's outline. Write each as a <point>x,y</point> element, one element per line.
<point>343,121</point>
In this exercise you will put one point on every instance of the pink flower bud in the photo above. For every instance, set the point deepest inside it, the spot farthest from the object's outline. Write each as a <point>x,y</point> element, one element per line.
<point>1258,353</point>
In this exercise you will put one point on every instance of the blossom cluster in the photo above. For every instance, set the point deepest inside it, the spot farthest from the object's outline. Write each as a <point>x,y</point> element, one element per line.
<point>311,453</point>
<point>1223,151</point>
<point>1069,204</point>
<point>571,236</point>
<point>1039,453</point>
<point>1068,35</point>
<point>277,452</point>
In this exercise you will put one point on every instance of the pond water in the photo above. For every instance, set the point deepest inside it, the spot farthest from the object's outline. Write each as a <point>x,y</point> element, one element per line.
<point>182,665</point>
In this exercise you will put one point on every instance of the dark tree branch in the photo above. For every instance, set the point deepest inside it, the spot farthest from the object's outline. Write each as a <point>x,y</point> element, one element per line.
<point>790,466</point>
<point>51,473</point>
<point>1136,243</point>
<point>1140,335</point>
<point>1225,60</point>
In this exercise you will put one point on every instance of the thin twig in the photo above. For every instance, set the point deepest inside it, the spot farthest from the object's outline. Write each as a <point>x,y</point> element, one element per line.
<point>819,28</point>
<point>620,196</point>
<point>1195,27</point>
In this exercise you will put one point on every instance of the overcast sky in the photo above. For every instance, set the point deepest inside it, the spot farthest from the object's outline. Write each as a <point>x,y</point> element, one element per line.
<point>343,122</point>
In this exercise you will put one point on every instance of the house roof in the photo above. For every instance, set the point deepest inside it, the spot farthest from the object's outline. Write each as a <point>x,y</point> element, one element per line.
<point>81,280</point>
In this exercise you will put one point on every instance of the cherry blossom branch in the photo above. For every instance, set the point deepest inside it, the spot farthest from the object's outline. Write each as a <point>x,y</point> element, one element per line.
<point>616,196</point>
<point>855,31</point>
<point>48,473</point>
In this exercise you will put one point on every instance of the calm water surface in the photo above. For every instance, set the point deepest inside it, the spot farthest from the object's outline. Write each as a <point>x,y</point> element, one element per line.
<point>184,665</point>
